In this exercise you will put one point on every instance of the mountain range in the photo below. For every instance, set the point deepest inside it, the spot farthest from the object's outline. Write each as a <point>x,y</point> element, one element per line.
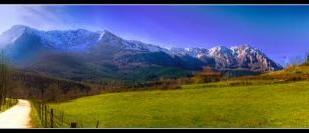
<point>84,55</point>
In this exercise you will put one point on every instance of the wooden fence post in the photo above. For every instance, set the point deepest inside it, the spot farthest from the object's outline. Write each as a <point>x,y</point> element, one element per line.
<point>45,118</point>
<point>73,125</point>
<point>62,118</point>
<point>41,111</point>
<point>51,118</point>
<point>97,126</point>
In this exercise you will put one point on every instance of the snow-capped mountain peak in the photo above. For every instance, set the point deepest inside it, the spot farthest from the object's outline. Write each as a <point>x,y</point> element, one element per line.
<point>140,46</point>
<point>69,40</point>
<point>243,56</point>
<point>108,35</point>
<point>194,52</point>
<point>240,50</point>
<point>243,47</point>
<point>11,35</point>
<point>219,49</point>
<point>79,40</point>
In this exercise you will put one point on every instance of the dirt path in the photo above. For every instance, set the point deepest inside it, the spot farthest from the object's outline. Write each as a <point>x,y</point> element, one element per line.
<point>17,116</point>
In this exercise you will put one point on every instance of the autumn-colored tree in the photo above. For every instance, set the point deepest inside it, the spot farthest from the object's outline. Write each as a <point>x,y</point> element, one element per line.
<point>207,75</point>
<point>53,93</point>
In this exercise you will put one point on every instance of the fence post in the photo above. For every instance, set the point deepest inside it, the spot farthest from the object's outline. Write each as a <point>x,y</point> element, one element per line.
<point>39,110</point>
<point>62,119</point>
<point>51,118</point>
<point>45,118</point>
<point>98,122</point>
<point>41,113</point>
<point>73,125</point>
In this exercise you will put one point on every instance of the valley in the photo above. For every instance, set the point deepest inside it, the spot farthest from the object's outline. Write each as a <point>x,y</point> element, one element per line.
<point>272,100</point>
<point>84,79</point>
<point>154,66</point>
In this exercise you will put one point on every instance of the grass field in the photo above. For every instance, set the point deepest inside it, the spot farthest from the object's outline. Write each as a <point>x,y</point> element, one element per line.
<point>35,120</point>
<point>266,105</point>
<point>8,103</point>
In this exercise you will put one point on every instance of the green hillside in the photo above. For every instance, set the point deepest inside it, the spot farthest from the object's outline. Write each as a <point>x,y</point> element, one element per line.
<point>270,101</point>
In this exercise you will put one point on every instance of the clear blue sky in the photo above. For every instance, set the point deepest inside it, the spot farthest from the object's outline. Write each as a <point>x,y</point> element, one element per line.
<point>281,32</point>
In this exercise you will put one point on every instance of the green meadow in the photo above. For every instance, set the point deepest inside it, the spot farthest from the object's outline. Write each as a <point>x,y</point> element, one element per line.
<point>225,104</point>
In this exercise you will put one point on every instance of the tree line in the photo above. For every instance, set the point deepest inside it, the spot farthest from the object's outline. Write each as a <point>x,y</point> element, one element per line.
<point>5,81</point>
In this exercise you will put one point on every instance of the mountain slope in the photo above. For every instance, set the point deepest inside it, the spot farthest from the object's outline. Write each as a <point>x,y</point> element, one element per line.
<point>236,57</point>
<point>85,55</point>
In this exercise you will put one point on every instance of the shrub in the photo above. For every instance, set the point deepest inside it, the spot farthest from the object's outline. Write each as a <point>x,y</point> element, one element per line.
<point>207,75</point>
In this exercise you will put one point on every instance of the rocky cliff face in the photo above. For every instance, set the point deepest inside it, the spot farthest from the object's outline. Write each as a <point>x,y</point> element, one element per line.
<point>236,57</point>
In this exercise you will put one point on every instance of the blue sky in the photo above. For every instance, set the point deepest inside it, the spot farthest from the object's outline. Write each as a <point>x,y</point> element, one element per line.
<point>281,32</point>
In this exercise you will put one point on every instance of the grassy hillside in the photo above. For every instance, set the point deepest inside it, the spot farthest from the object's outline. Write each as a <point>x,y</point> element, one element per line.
<point>233,103</point>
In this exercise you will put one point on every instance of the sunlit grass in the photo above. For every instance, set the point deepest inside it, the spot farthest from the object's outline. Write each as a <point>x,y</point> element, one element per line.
<point>35,120</point>
<point>273,105</point>
<point>304,69</point>
<point>8,104</point>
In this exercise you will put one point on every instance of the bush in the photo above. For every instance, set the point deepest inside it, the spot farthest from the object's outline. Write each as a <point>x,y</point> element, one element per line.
<point>207,75</point>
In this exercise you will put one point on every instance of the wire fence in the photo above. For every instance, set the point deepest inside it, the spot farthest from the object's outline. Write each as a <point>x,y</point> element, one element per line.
<point>51,118</point>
